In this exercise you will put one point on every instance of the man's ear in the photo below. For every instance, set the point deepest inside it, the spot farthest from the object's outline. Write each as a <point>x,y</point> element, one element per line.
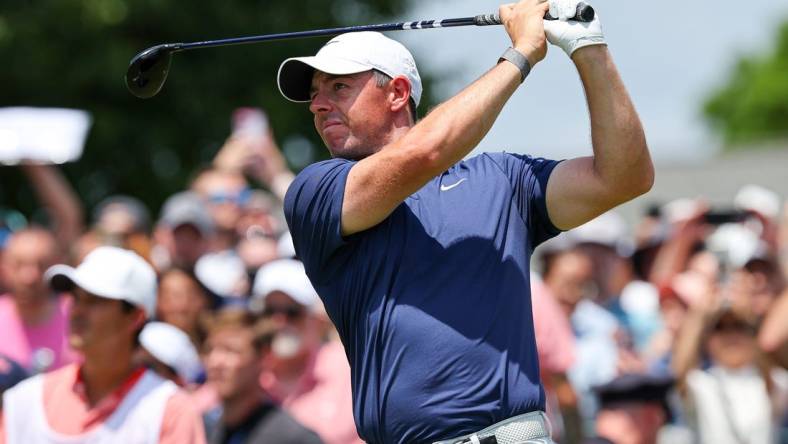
<point>399,93</point>
<point>139,317</point>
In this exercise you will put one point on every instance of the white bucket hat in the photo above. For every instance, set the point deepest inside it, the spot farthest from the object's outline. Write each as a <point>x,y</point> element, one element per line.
<point>110,272</point>
<point>349,53</point>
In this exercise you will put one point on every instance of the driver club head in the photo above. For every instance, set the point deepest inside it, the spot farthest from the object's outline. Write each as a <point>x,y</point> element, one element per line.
<point>148,70</point>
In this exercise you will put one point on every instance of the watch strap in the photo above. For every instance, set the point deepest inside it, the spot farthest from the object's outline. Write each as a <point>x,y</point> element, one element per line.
<point>514,57</point>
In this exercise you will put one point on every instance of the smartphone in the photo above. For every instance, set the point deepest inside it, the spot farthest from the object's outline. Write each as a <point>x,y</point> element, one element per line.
<point>249,121</point>
<point>721,217</point>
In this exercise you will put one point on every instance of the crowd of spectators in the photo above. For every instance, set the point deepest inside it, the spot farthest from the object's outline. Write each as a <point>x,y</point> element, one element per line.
<point>673,330</point>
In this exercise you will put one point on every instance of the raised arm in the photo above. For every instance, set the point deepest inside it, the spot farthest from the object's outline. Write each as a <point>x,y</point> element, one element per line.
<point>59,199</point>
<point>620,169</point>
<point>377,184</point>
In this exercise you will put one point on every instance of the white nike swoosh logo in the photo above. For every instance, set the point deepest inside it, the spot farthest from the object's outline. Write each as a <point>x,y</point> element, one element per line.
<point>448,187</point>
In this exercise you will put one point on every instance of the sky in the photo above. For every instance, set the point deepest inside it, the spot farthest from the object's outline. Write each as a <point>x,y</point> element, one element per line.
<point>671,54</point>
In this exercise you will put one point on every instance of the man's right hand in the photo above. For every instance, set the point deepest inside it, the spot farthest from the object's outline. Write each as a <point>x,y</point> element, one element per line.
<point>524,22</point>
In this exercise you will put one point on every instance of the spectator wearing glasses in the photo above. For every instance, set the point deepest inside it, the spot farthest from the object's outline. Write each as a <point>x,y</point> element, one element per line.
<point>226,195</point>
<point>309,375</point>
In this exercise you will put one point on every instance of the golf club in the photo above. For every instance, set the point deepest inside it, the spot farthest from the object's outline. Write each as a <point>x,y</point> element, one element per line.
<point>148,70</point>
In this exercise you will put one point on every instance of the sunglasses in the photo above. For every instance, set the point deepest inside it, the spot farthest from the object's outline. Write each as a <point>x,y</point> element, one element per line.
<point>239,198</point>
<point>292,312</point>
<point>733,327</point>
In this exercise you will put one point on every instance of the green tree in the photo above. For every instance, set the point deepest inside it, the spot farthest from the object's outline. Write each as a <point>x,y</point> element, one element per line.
<point>753,105</point>
<point>74,54</point>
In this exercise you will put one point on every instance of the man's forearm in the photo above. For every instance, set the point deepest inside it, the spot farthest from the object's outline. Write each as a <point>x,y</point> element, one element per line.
<point>460,123</point>
<point>621,156</point>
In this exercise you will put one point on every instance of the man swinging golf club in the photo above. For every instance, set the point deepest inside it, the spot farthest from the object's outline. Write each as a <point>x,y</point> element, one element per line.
<point>421,258</point>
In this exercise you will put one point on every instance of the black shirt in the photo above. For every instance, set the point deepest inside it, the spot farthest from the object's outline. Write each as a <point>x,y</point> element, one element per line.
<point>266,424</point>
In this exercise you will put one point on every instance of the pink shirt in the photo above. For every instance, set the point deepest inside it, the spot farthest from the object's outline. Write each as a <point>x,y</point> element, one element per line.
<point>555,342</point>
<point>68,412</point>
<point>323,402</point>
<point>20,342</point>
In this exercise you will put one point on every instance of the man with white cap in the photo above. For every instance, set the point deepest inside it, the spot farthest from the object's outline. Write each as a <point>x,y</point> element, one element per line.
<point>308,375</point>
<point>107,398</point>
<point>422,259</point>
<point>168,350</point>
<point>184,232</point>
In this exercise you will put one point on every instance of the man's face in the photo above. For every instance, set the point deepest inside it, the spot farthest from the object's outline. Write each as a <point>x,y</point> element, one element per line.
<point>100,324</point>
<point>570,278</point>
<point>731,343</point>
<point>631,422</point>
<point>181,301</point>
<point>232,364</point>
<point>188,245</point>
<point>351,113</point>
<point>226,194</point>
<point>26,258</point>
<point>298,328</point>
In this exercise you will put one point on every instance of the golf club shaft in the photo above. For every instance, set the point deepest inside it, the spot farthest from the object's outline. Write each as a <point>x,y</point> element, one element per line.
<point>584,13</point>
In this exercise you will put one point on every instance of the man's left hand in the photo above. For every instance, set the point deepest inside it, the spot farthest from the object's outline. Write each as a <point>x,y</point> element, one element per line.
<point>571,35</point>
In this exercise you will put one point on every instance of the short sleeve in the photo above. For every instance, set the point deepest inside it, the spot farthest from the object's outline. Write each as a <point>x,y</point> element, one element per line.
<point>528,176</point>
<point>181,422</point>
<point>313,210</point>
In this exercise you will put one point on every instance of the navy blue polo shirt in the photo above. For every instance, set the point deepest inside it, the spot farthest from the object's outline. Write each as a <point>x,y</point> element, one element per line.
<point>432,304</point>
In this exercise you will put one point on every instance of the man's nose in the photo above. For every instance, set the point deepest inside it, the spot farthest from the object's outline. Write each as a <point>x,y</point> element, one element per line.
<point>319,103</point>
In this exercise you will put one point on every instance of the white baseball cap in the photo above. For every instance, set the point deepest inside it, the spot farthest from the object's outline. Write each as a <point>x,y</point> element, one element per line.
<point>349,53</point>
<point>287,276</point>
<point>110,272</point>
<point>172,347</point>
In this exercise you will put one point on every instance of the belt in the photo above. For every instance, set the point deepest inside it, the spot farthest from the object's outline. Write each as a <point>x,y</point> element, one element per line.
<point>532,427</point>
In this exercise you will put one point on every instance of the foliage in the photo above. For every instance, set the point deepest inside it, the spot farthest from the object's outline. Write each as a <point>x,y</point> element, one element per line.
<point>74,54</point>
<point>753,106</point>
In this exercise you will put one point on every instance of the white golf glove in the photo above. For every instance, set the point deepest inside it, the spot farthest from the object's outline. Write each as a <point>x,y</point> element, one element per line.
<point>571,35</point>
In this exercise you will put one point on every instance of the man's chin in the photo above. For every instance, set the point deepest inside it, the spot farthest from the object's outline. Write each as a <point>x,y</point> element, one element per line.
<point>350,153</point>
<point>76,342</point>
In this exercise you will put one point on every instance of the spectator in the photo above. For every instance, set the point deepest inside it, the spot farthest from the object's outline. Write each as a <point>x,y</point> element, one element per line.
<point>184,232</point>
<point>236,348</point>
<point>226,194</point>
<point>183,302</point>
<point>732,399</point>
<point>33,318</point>
<point>555,344</point>
<point>224,273</point>
<point>633,409</point>
<point>107,398</point>
<point>168,351</point>
<point>123,221</point>
<point>673,309</point>
<point>258,230</point>
<point>309,377</point>
<point>569,277</point>
<point>634,303</point>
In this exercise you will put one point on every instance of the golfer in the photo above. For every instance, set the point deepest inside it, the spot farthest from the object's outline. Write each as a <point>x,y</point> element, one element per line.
<point>422,258</point>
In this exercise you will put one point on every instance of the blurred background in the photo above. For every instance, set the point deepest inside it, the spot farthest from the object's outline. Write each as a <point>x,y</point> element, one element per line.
<point>192,179</point>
